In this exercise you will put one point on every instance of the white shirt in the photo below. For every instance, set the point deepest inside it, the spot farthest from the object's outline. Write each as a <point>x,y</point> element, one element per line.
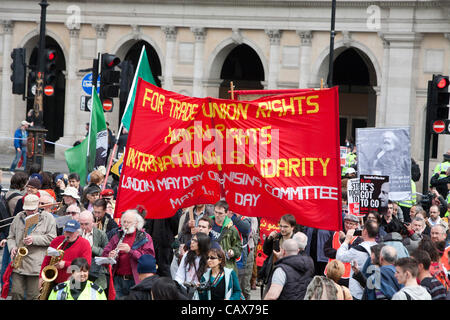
<point>187,275</point>
<point>89,237</point>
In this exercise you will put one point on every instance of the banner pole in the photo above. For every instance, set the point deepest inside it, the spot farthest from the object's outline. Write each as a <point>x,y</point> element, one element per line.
<point>232,90</point>
<point>130,94</point>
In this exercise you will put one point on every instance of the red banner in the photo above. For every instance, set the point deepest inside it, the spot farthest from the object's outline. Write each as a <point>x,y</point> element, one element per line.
<point>266,157</point>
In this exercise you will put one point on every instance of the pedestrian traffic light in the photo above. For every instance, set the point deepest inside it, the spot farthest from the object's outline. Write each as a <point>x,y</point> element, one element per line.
<point>439,97</point>
<point>18,71</point>
<point>109,78</point>
<point>50,67</point>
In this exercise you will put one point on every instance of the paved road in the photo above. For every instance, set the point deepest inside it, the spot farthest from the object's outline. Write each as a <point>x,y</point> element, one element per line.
<point>50,164</point>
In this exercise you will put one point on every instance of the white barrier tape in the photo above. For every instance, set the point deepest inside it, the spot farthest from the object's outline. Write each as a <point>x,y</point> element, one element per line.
<point>46,141</point>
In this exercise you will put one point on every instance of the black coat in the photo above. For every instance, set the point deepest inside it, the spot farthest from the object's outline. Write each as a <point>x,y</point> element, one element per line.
<point>141,291</point>
<point>299,271</point>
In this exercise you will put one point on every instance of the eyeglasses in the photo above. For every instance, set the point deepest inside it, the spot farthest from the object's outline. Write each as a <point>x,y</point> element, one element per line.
<point>212,258</point>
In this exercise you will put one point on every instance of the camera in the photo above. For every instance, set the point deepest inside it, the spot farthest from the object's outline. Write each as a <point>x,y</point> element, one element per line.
<point>203,286</point>
<point>425,201</point>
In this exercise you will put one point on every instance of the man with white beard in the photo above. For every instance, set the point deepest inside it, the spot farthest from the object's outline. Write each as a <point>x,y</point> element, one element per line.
<point>126,247</point>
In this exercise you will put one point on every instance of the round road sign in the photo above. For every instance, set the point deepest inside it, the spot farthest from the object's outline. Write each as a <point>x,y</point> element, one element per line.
<point>49,90</point>
<point>438,126</point>
<point>107,105</point>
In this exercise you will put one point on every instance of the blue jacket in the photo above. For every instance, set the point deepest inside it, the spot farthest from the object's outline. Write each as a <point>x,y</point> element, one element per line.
<point>388,284</point>
<point>18,143</point>
<point>322,237</point>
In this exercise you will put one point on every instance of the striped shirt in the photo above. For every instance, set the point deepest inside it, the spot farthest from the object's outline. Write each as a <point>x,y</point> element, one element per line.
<point>434,288</point>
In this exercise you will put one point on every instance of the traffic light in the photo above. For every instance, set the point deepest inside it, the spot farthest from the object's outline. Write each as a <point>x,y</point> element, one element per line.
<point>439,97</point>
<point>18,71</point>
<point>109,78</point>
<point>50,67</point>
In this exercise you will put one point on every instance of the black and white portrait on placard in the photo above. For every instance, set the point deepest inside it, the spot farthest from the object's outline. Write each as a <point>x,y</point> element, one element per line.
<point>386,151</point>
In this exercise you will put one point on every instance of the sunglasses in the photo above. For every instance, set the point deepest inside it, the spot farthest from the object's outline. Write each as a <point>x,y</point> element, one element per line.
<point>212,258</point>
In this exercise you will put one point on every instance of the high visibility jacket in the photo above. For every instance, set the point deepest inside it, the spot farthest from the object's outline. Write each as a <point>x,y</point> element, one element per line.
<point>350,160</point>
<point>336,244</point>
<point>441,168</point>
<point>91,292</point>
<point>410,203</point>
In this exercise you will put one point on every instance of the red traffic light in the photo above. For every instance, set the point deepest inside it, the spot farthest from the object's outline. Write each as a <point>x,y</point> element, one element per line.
<point>50,55</point>
<point>110,60</point>
<point>442,83</point>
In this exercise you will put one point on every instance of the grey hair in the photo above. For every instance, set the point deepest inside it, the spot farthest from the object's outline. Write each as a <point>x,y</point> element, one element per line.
<point>389,254</point>
<point>302,240</point>
<point>139,220</point>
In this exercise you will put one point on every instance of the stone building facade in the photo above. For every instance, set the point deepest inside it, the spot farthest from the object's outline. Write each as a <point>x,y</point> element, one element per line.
<point>398,44</point>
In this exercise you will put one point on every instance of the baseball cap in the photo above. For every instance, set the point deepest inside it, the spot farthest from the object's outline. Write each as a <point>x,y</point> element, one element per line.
<point>71,226</point>
<point>31,202</point>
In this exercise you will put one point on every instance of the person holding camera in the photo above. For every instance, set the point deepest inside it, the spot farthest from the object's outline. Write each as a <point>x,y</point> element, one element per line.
<point>331,246</point>
<point>218,282</point>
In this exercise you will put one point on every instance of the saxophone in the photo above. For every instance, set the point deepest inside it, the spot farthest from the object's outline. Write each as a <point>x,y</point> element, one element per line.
<point>21,253</point>
<point>50,273</point>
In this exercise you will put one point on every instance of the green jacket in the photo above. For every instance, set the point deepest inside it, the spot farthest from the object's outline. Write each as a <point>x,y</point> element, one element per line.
<point>229,239</point>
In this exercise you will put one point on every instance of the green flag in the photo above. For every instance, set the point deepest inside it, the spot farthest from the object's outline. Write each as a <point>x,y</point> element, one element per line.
<point>142,71</point>
<point>91,152</point>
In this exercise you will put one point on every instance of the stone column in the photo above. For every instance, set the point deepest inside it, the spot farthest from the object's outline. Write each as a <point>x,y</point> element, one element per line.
<point>381,112</point>
<point>305,58</point>
<point>100,30</point>
<point>197,87</point>
<point>171,35</point>
<point>7,107</point>
<point>401,95</point>
<point>72,98</point>
<point>274,62</point>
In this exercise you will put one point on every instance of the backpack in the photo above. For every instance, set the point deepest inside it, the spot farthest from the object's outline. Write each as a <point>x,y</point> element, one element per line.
<point>438,272</point>
<point>4,209</point>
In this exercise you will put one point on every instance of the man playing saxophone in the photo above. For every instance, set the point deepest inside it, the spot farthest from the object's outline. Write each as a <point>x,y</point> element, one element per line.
<point>35,237</point>
<point>73,246</point>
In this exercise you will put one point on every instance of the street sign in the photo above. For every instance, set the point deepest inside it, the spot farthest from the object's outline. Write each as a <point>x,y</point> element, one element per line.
<point>438,126</point>
<point>86,103</point>
<point>86,84</point>
<point>49,90</point>
<point>107,105</point>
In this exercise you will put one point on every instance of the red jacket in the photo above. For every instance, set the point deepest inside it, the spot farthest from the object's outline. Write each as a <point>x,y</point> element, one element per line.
<point>79,248</point>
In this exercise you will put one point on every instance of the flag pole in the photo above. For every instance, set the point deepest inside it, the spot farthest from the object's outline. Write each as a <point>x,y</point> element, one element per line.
<point>94,87</point>
<point>133,85</point>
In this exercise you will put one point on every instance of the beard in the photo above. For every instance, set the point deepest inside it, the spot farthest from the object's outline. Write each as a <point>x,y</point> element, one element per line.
<point>130,230</point>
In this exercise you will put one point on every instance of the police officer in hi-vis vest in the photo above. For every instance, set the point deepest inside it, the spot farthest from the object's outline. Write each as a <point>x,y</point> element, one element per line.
<point>78,287</point>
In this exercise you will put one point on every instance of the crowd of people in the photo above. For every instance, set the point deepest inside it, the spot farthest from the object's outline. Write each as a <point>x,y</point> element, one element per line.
<point>62,242</point>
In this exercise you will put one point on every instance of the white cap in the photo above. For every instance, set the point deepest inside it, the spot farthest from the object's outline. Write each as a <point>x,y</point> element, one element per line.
<point>71,192</point>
